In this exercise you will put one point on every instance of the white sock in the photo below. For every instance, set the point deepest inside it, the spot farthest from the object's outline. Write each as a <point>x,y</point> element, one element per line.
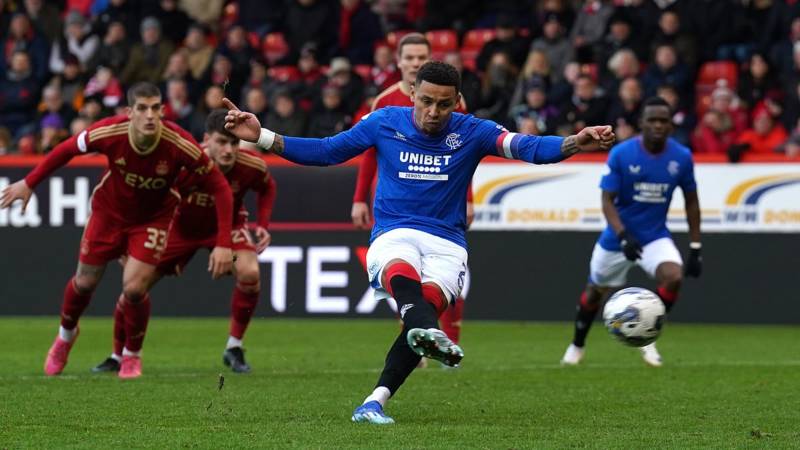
<point>233,342</point>
<point>116,357</point>
<point>126,352</point>
<point>381,395</point>
<point>67,335</point>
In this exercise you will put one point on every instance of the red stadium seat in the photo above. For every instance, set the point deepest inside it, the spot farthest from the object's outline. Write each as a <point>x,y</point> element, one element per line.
<point>474,39</point>
<point>468,58</point>
<point>442,41</point>
<point>393,37</point>
<point>709,77</point>
<point>364,70</point>
<point>712,71</point>
<point>274,47</point>
<point>284,74</point>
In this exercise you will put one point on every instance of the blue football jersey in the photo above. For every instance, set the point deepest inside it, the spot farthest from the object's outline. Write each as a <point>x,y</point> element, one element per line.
<point>422,179</point>
<point>644,184</point>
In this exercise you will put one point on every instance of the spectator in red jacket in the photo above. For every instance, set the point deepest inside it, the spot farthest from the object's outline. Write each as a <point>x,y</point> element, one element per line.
<point>714,134</point>
<point>765,137</point>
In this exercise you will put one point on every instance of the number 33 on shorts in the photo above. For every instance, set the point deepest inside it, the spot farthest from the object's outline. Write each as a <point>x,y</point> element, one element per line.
<point>156,239</point>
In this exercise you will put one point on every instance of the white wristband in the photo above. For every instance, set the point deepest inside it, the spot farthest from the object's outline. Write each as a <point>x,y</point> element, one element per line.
<point>266,139</point>
<point>695,245</point>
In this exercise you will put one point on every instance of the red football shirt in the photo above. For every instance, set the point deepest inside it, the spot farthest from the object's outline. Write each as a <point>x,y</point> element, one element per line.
<point>138,184</point>
<point>196,217</point>
<point>394,96</point>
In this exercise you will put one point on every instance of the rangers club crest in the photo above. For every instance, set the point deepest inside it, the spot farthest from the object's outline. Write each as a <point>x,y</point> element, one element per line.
<point>453,141</point>
<point>674,168</point>
<point>162,168</point>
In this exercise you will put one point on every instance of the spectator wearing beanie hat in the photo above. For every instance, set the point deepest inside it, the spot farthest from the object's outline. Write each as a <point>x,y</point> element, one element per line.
<point>76,40</point>
<point>149,58</point>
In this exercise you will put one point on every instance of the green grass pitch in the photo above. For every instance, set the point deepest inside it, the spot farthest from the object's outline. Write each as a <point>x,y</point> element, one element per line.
<point>721,387</point>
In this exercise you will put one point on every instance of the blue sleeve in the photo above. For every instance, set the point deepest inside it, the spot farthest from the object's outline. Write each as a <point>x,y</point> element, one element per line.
<point>612,178</point>
<point>533,149</point>
<point>687,182</point>
<point>335,149</point>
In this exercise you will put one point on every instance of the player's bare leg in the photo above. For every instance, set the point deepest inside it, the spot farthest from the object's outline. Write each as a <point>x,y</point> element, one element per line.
<point>669,276</point>
<point>590,302</point>
<point>243,305</point>
<point>137,279</point>
<point>77,294</point>
<point>419,307</point>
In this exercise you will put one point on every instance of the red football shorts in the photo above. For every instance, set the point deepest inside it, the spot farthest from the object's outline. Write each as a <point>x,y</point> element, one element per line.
<point>106,237</point>
<point>181,248</point>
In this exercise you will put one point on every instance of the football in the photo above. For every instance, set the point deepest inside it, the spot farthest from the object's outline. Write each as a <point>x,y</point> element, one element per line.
<point>634,316</point>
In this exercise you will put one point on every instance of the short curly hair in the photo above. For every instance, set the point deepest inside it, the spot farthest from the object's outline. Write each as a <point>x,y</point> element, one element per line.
<point>437,72</point>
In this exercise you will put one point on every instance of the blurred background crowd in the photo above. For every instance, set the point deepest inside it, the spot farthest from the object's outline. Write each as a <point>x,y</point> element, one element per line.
<point>729,68</point>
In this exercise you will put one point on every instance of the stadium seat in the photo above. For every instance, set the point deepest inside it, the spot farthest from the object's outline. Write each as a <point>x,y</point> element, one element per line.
<point>284,74</point>
<point>442,41</point>
<point>474,39</point>
<point>711,74</point>
<point>393,37</point>
<point>274,47</point>
<point>712,71</point>
<point>364,70</point>
<point>469,57</point>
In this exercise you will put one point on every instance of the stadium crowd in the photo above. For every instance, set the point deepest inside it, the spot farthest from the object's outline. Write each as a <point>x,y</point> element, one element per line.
<point>730,69</point>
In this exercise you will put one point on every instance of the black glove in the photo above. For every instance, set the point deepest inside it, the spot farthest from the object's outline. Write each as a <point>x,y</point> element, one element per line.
<point>630,246</point>
<point>694,266</point>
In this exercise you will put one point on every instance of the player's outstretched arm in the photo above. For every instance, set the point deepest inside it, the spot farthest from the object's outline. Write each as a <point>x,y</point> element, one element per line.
<point>16,191</point>
<point>306,151</point>
<point>247,127</point>
<point>589,139</point>
<point>549,149</point>
<point>23,189</point>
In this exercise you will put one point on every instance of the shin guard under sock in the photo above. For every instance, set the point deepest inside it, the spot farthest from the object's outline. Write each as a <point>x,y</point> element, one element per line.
<point>137,316</point>
<point>73,305</point>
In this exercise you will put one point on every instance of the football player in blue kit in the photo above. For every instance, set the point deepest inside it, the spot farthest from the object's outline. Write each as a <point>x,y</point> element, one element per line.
<point>426,158</point>
<point>637,188</point>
